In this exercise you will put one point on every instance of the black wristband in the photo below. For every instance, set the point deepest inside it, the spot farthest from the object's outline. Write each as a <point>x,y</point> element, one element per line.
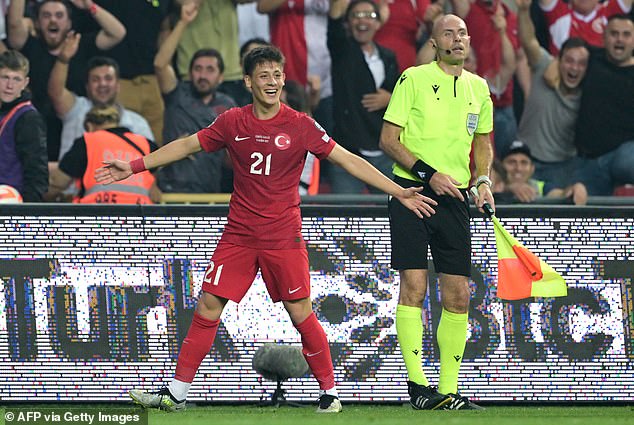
<point>423,171</point>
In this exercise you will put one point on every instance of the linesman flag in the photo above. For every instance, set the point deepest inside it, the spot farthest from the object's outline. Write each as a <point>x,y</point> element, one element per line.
<point>521,274</point>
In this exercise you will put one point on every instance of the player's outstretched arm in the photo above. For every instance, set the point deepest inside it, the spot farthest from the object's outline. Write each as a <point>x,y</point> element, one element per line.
<point>117,169</point>
<point>363,170</point>
<point>441,184</point>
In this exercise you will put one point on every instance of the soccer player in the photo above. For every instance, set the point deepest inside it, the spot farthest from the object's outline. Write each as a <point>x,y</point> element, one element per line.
<point>267,142</point>
<point>436,113</point>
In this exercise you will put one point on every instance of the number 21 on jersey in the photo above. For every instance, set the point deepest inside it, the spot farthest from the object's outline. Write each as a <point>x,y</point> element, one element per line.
<point>261,163</point>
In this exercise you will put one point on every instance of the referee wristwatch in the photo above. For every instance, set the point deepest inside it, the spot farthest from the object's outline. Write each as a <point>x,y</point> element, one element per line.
<point>483,180</point>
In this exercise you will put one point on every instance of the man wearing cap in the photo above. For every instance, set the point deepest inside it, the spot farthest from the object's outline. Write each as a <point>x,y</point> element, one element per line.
<point>519,167</point>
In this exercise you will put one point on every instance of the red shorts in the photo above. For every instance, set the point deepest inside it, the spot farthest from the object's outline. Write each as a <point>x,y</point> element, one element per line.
<point>233,268</point>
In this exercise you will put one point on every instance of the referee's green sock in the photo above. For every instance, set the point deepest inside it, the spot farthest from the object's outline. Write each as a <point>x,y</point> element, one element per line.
<point>409,331</point>
<point>452,338</point>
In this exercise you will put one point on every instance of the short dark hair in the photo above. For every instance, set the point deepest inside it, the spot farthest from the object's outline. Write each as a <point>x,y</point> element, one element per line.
<point>255,40</point>
<point>620,16</point>
<point>572,43</point>
<point>97,61</point>
<point>261,55</point>
<point>296,96</point>
<point>353,3</point>
<point>15,61</point>
<point>69,11</point>
<point>211,53</point>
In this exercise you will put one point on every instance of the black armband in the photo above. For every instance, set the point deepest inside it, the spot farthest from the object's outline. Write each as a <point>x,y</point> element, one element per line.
<point>423,171</point>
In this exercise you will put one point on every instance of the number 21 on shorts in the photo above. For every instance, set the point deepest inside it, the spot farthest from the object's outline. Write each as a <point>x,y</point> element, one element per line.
<point>210,276</point>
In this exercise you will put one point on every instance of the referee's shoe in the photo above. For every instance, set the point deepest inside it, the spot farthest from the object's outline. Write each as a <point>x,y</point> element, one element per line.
<point>426,398</point>
<point>459,402</point>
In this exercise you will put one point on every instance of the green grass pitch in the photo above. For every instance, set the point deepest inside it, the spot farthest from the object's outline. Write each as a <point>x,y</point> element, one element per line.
<point>396,415</point>
<point>369,414</point>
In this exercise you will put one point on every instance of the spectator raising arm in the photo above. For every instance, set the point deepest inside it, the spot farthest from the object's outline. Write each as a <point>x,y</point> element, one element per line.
<point>461,7</point>
<point>526,31</point>
<point>507,64</point>
<point>112,30</point>
<point>18,24</point>
<point>62,98</point>
<point>165,73</point>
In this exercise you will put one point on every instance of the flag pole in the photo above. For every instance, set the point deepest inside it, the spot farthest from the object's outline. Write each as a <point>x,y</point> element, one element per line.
<point>488,209</point>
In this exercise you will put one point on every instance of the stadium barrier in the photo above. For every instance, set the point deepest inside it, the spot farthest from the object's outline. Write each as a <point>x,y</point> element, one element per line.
<point>96,299</point>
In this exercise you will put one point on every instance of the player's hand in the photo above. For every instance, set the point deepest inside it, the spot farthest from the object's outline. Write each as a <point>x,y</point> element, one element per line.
<point>444,184</point>
<point>419,204</point>
<point>113,171</point>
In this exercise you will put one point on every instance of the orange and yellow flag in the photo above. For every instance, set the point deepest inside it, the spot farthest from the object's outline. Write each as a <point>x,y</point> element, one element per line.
<point>521,274</point>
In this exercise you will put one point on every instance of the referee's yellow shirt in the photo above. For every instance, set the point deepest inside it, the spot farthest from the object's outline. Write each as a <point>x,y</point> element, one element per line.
<point>440,114</point>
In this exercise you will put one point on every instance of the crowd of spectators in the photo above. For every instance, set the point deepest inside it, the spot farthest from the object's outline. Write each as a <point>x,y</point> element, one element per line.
<point>561,77</point>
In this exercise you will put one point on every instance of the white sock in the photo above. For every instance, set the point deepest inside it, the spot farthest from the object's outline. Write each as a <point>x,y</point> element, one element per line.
<point>332,392</point>
<point>179,389</point>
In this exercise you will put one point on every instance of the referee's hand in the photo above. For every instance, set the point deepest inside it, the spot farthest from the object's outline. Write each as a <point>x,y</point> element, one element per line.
<point>444,184</point>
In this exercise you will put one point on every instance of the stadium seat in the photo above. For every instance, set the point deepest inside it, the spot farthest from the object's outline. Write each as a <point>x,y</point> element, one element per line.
<point>625,190</point>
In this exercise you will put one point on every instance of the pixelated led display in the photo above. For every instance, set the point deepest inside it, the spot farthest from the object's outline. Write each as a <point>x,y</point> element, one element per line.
<point>94,305</point>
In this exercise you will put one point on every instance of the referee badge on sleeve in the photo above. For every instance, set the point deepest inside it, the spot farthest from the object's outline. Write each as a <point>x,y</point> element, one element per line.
<point>472,123</point>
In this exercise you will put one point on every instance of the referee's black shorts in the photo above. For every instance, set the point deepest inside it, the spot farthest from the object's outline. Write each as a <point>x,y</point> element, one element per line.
<point>447,233</point>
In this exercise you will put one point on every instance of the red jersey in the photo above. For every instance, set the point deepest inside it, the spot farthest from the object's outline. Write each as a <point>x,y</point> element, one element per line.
<point>268,157</point>
<point>400,30</point>
<point>487,44</point>
<point>563,23</point>
<point>298,28</point>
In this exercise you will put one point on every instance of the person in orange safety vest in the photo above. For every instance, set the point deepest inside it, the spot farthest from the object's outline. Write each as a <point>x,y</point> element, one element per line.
<point>103,140</point>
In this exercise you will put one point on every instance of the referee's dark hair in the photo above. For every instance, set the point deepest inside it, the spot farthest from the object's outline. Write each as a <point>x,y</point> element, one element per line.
<point>261,55</point>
